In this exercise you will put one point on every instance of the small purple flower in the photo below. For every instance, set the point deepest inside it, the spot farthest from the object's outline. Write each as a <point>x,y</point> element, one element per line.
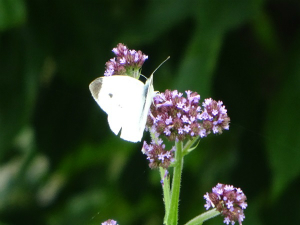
<point>186,108</point>
<point>168,154</point>
<point>169,120</point>
<point>180,130</point>
<point>132,52</point>
<point>108,72</point>
<point>165,176</point>
<point>243,205</point>
<point>109,222</point>
<point>115,51</point>
<point>229,204</point>
<point>123,61</point>
<point>136,57</point>
<point>202,133</point>
<point>192,97</point>
<point>160,141</point>
<point>215,129</point>
<point>174,93</point>
<point>187,128</point>
<point>208,201</point>
<point>161,157</point>
<point>185,119</point>
<point>167,103</point>
<point>158,118</point>
<point>229,201</point>
<point>167,131</point>
<point>180,105</point>
<point>229,188</point>
<point>214,112</point>
<point>188,93</point>
<point>226,220</point>
<point>145,57</point>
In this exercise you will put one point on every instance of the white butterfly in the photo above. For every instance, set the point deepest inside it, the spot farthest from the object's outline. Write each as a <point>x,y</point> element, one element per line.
<point>126,101</point>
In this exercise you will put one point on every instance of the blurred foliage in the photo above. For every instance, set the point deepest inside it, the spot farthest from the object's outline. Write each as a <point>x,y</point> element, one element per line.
<point>60,163</point>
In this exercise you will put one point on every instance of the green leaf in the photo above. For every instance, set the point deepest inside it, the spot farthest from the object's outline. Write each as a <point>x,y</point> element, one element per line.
<point>283,129</point>
<point>214,19</point>
<point>198,64</point>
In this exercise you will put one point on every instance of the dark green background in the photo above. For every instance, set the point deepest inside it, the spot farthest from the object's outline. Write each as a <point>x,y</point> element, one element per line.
<point>61,164</point>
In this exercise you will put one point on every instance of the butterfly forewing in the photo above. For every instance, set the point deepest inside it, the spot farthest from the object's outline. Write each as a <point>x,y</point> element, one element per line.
<point>149,94</point>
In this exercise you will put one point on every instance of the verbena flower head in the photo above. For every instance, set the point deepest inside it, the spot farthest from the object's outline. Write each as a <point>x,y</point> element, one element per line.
<point>229,201</point>
<point>126,62</point>
<point>214,116</point>
<point>157,155</point>
<point>109,222</point>
<point>179,118</point>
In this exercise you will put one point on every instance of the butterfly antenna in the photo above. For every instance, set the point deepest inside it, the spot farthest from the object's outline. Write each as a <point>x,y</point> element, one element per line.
<point>143,76</point>
<point>161,64</point>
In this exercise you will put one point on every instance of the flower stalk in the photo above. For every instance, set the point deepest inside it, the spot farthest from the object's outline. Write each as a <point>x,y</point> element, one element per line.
<point>166,191</point>
<point>173,214</point>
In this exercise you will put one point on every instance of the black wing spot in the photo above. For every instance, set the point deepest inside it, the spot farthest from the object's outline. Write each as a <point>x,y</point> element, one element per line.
<point>110,95</point>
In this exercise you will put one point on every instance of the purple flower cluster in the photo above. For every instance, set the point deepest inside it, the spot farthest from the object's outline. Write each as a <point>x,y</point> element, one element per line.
<point>214,116</point>
<point>127,62</point>
<point>109,222</point>
<point>179,118</point>
<point>157,155</point>
<point>229,201</point>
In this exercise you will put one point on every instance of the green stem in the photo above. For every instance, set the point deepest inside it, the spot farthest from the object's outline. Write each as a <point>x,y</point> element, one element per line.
<point>203,217</point>
<point>172,219</point>
<point>166,192</point>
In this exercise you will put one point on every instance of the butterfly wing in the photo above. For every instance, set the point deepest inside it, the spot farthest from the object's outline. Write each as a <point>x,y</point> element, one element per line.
<point>122,98</point>
<point>149,94</point>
